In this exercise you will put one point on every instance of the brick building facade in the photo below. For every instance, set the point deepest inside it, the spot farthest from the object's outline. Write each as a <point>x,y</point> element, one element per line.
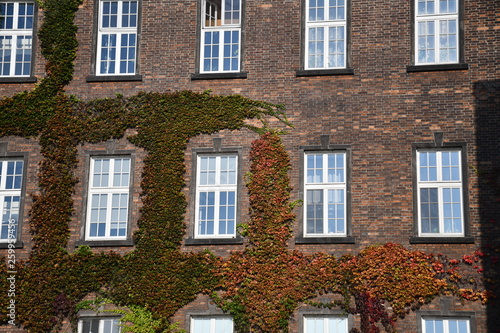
<point>403,88</point>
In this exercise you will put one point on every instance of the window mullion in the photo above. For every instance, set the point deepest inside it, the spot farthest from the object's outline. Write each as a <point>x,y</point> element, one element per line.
<point>437,50</point>
<point>222,13</point>
<point>15,19</point>
<point>440,209</point>
<point>221,49</point>
<point>119,15</point>
<point>212,325</point>
<point>325,210</point>
<point>3,175</point>
<point>117,52</point>
<point>216,212</point>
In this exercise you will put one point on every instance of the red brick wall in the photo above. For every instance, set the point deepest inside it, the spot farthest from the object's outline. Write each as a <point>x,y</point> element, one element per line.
<point>379,111</point>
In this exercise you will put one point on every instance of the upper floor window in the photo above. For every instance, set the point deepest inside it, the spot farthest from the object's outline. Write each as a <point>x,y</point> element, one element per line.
<point>445,325</point>
<point>99,325</point>
<point>117,38</point>
<point>108,198</point>
<point>325,194</point>
<point>220,36</point>
<point>11,180</point>
<point>325,324</point>
<point>440,193</point>
<point>326,34</point>
<point>16,38</point>
<point>436,32</point>
<point>211,324</point>
<point>216,194</point>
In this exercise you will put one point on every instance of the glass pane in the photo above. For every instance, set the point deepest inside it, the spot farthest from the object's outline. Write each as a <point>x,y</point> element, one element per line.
<point>314,325</point>
<point>314,211</point>
<point>429,210</point>
<point>223,325</point>
<point>201,325</point>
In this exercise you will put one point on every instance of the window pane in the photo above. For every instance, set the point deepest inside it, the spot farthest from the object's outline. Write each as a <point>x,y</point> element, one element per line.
<point>223,325</point>
<point>429,210</point>
<point>425,7</point>
<point>316,48</point>
<point>315,325</point>
<point>314,168</point>
<point>336,211</point>
<point>314,209</point>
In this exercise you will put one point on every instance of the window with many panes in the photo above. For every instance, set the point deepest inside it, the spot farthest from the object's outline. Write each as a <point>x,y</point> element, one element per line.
<point>326,34</point>
<point>11,181</point>
<point>16,37</point>
<point>445,325</point>
<point>325,194</point>
<point>117,38</point>
<point>436,32</point>
<point>325,324</point>
<point>99,325</point>
<point>208,324</point>
<point>440,193</point>
<point>216,194</point>
<point>108,198</point>
<point>220,36</point>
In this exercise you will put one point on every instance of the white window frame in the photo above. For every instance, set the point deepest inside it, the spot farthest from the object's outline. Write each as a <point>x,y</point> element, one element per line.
<point>119,31</point>
<point>114,322</point>
<point>435,19</point>
<point>325,186</point>
<point>16,33</point>
<point>213,324</point>
<point>341,323</point>
<point>10,227</point>
<point>221,27</point>
<point>446,324</point>
<point>217,188</point>
<point>108,190</point>
<point>325,24</point>
<point>440,184</point>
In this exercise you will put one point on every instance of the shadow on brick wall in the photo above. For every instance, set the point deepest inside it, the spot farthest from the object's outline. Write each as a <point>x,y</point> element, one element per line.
<point>487,100</point>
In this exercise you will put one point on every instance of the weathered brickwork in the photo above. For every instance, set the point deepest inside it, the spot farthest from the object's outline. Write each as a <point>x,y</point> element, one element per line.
<point>379,112</point>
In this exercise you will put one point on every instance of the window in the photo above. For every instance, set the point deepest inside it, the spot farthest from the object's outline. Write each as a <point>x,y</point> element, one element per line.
<point>450,325</point>
<point>99,325</point>
<point>325,194</point>
<point>206,324</point>
<point>326,34</point>
<point>16,38</point>
<point>117,38</point>
<point>325,324</point>
<point>440,193</point>
<point>216,190</point>
<point>220,36</point>
<point>11,180</point>
<point>108,199</point>
<point>436,32</point>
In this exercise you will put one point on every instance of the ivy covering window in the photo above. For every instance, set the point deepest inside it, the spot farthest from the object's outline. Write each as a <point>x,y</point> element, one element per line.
<point>117,38</point>
<point>325,194</point>
<point>99,325</point>
<point>11,180</point>
<point>450,325</point>
<point>325,324</point>
<point>326,34</point>
<point>216,196</point>
<point>440,193</point>
<point>107,212</point>
<point>436,32</point>
<point>16,38</point>
<point>221,36</point>
<point>206,324</point>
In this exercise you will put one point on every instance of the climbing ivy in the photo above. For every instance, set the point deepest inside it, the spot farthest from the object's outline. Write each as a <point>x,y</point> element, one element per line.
<point>260,286</point>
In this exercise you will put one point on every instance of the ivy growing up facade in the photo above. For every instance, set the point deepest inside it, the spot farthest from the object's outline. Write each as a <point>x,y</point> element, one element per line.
<point>165,122</point>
